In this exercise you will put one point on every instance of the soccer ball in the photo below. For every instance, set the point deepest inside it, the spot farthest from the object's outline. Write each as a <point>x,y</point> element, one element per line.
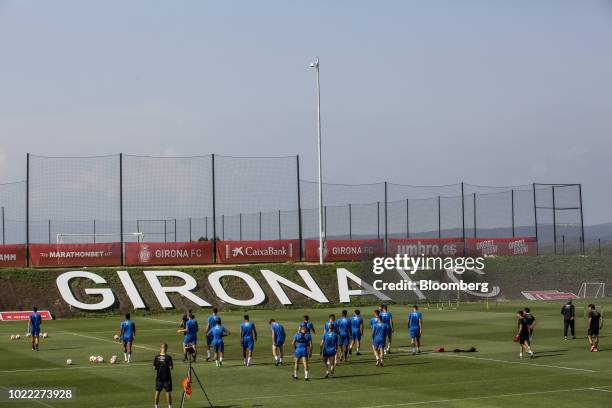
<point>99,359</point>
<point>113,360</point>
<point>116,337</point>
<point>12,337</point>
<point>45,335</point>
<point>92,359</point>
<point>17,336</point>
<point>69,362</point>
<point>28,334</point>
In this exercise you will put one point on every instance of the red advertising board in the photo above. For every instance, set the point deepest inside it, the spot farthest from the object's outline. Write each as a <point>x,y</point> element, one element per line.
<point>426,246</point>
<point>12,256</point>
<point>343,249</point>
<point>23,315</point>
<point>169,253</point>
<point>105,254</point>
<point>502,246</point>
<point>258,251</point>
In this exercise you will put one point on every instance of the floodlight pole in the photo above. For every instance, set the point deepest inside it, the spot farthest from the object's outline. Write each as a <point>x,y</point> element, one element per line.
<point>315,65</point>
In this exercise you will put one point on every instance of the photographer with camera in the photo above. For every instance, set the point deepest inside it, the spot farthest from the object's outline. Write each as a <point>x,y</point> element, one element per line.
<point>163,366</point>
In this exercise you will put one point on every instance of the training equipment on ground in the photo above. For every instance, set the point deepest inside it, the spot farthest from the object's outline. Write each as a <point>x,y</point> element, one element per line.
<point>99,359</point>
<point>116,337</point>
<point>592,290</point>
<point>28,334</point>
<point>92,359</point>
<point>69,362</point>
<point>113,360</point>
<point>12,337</point>
<point>45,335</point>
<point>17,336</point>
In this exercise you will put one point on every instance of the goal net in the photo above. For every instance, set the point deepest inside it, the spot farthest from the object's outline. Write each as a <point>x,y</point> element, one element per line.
<point>99,238</point>
<point>592,290</point>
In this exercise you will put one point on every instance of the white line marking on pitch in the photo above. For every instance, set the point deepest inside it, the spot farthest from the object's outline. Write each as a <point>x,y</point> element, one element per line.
<point>599,389</point>
<point>515,362</point>
<point>441,401</point>
<point>159,320</point>
<point>107,340</point>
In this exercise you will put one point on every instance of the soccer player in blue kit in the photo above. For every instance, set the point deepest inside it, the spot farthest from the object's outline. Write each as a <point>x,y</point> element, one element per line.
<point>344,331</point>
<point>356,331</point>
<point>415,328</point>
<point>302,343</point>
<point>380,331</point>
<point>307,324</point>
<point>34,322</point>
<point>191,335</point>
<point>329,349</point>
<point>128,332</point>
<point>217,333</point>
<point>278,340</point>
<point>248,337</point>
<point>211,321</point>
<point>387,318</point>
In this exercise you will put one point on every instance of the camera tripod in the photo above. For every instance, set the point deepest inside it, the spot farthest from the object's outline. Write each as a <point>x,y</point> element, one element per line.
<point>191,371</point>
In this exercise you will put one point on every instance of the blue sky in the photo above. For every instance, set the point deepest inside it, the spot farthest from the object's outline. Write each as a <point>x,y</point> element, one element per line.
<point>416,92</point>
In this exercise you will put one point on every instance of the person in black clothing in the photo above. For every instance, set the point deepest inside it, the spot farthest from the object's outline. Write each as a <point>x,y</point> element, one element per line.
<point>163,366</point>
<point>568,313</point>
<point>595,323</point>
<point>531,321</point>
<point>523,334</point>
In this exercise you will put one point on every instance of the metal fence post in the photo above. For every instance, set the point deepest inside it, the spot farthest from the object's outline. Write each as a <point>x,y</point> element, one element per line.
<point>563,243</point>
<point>535,218</point>
<point>407,218</point>
<point>378,220</point>
<point>3,233</point>
<point>386,225</point>
<point>206,227</point>
<point>94,230</point>
<point>350,214</point>
<point>240,225</point>
<point>512,205</point>
<point>581,219</point>
<point>299,202</point>
<point>190,239</point>
<point>279,225</point>
<point>27,209</point>
<point>554,214</point>
<point>474,205</point>
<point>214,213</point>
<point>49,230</point>
<point>260,225</point>
<point>223,227</point>
<point>165,230</point>
<point>463,218</point>
<point>121,207</point>
<point>439,219</point>
<point>599,245</point>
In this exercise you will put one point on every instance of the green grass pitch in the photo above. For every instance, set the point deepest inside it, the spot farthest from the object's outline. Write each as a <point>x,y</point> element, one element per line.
<point>563,374</point>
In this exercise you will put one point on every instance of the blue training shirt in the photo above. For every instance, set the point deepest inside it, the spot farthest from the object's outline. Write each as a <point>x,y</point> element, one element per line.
<point>344,326</point>
<point>373,321</point>
<point>279,332</point>
<point>247,328</point>
<point>128,327</point>
<point>333,324</point>
<point>302,340</point>
<point>212,321</point>
<point>330,340</point>
<point>309,326</point>
<point>356,322</point>
<point>35,319</point>
<point>379,331</point>
<point>217,333</point>
<point>414,318</point>
<point>386,317</point>
<point>192,327</point>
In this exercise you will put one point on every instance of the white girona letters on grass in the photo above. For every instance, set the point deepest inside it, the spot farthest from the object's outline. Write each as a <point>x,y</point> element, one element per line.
<point>344,293</point>
<point>185,290</point>
<point>64,288</point>
<point>215,282</point>
<point>314,291</point>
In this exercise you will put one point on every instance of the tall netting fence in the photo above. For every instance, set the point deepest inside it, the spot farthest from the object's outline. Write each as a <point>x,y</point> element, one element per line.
<point>13,213</point>
<point>129,198</point>
<point>68,196</point>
